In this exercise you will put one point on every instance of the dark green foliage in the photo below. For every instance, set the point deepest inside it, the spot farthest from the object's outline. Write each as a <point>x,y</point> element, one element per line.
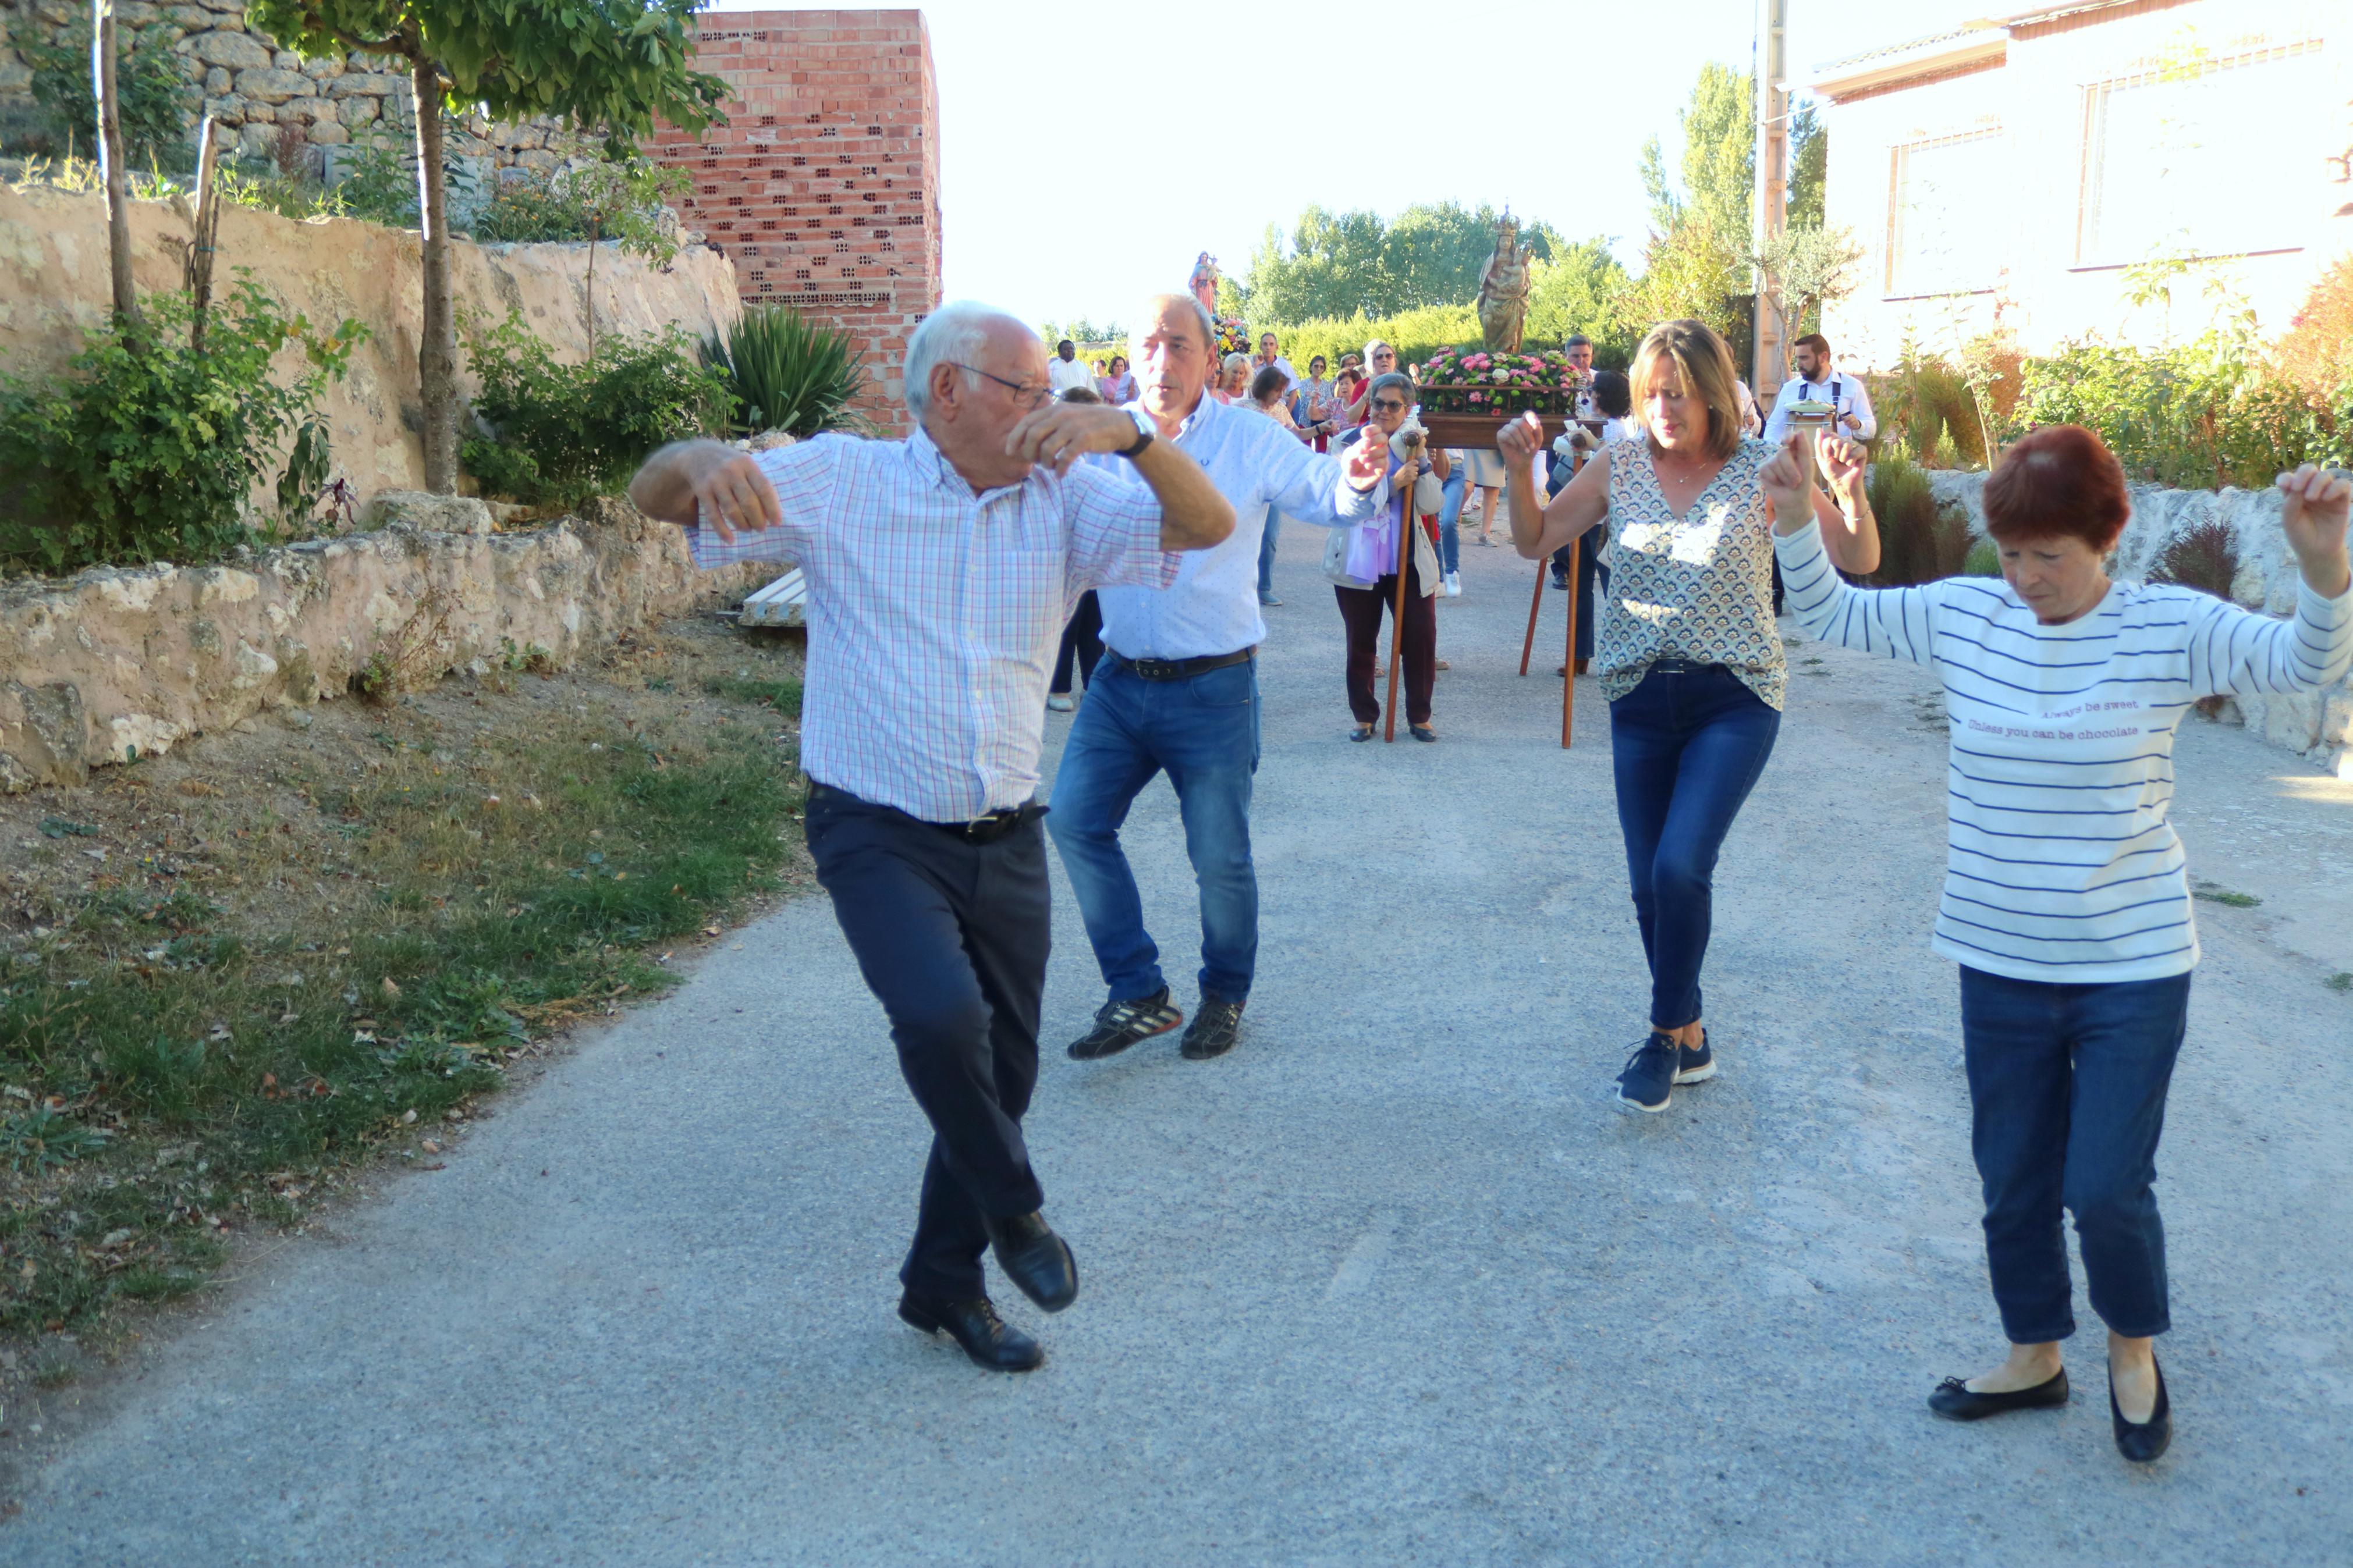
<point>158,101</point>
<point>1928,403</point>
<point>562,433</point>
<point>149,451</point>
<point>2200,416</point>
<point>612,197</point>
<point>1919,541</point>
<point>2204,556</point>
<point>787,372</point>
<point>1338,264</point>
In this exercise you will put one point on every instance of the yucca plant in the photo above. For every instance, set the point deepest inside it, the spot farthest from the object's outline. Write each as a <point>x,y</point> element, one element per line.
<point>788,373</point>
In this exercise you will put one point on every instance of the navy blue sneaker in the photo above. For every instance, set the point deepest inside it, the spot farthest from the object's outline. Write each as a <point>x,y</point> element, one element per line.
<point>1648,1081</point>
<point>1694,1065</point>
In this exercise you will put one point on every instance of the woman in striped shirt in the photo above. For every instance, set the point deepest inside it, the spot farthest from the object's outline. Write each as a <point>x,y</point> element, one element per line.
<point>2065,902</point>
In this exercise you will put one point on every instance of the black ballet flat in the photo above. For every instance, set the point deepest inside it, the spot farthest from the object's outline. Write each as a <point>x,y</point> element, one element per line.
<point>2143,1441</point>
<point>1956,1401</point>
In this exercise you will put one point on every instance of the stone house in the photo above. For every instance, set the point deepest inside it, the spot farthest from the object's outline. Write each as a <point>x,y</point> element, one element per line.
<point>2039,171</point>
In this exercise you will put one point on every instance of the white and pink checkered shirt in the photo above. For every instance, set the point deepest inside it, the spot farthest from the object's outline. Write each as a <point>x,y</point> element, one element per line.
<point>935,614</point>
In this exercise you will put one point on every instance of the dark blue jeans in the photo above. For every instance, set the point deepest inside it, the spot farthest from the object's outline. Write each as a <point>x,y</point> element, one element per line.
<point>1449,520</point>
<point>2067,1087</point>
<point>1686,747</point>
<point>1204,733</point>
<point>1266,547</point>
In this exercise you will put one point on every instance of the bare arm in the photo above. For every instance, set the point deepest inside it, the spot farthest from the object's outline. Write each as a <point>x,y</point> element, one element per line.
<point>1193,515</point>
<point>708,481</point>
<point>1538,528</point>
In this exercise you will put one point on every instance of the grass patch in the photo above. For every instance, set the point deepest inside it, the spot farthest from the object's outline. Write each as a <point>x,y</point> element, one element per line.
<point>782,694</point>
<point>360,935</point>
<point>2215,894</point>
<point>2341,981</point>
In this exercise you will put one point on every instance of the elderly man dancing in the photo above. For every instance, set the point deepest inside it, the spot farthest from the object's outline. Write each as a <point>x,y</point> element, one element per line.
<point>1177,692</point>
<point>940,570</point>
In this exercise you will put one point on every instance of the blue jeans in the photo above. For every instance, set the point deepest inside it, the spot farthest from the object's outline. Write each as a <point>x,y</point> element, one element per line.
<point>2067,1086</point>
<point>1686,747</point>
<point>1266,553</point>
<point>1204,733</point>
<point>1450,518</point>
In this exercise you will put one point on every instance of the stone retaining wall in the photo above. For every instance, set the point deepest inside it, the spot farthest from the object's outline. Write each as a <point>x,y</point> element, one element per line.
<point>113,664</point>
<point>252,85</point>
<point>2317,725</point>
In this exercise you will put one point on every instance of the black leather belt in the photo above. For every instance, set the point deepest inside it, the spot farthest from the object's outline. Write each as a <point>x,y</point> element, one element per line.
<point>1180,668</point>
<point>985,829</point>
<point>1680,666</point>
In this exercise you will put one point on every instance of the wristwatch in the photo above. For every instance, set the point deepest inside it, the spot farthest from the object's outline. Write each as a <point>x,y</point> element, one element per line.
<point>1143,439</point>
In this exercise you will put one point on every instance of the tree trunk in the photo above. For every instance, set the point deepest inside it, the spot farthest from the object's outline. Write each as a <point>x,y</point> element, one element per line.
<point>592,288</point>
<point>436,354</point>
<point>110,164</point>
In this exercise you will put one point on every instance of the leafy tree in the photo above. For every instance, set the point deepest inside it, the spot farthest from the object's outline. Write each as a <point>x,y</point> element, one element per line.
<point>1697,260</point>
<point>1584,289</point>
<point>1810,154</point>
<point>157,100</point>
<point>1338,266</point>
<point>1804,269</point>
<point>611,67</point>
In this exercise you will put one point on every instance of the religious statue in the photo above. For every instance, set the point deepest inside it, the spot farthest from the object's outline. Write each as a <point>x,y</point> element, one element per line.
<point>1204,282</point>
<point>1504,291</point>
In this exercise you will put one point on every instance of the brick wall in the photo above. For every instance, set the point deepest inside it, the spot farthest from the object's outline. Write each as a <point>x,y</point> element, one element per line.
<point>824,185</point>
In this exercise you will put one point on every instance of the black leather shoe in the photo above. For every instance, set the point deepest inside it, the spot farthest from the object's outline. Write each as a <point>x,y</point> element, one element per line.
<point>2143,1441</point>
<point>1036,1260</point>
<point>989,1339</point>
<point>1955,1401</point>
<point>1214,1030</point>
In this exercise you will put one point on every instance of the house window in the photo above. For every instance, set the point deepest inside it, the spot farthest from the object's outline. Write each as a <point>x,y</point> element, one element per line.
<point>2211,156</point>
<point>1945,229</point>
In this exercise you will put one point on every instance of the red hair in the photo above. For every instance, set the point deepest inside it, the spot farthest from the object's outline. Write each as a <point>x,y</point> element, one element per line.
<point>2061,482</point>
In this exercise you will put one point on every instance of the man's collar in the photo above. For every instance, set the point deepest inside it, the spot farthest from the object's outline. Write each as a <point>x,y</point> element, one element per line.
<point>931,466</point>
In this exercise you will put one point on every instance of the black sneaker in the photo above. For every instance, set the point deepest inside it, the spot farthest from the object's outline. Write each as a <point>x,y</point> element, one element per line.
<point>1695,1064</point>
<point>1215,1028</point>
<point>1119,1025</point>
<point>1648,1081</point>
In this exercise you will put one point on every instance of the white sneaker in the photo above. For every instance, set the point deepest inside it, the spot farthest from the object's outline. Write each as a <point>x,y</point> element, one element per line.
<point>1454,584</point>
<point>1059,702</point>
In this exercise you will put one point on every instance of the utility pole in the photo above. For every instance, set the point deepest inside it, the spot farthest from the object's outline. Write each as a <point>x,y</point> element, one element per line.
<point>1771,201</point>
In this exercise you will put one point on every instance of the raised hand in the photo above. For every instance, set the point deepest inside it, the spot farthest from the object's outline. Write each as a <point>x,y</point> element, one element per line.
<point>1842,464</point>
<point>1788,483</point>
<point>1059,434</point>
<point>731,491</point>
<point>2314,516</point>
<point>1521,440</point>
<point>1368,462</point>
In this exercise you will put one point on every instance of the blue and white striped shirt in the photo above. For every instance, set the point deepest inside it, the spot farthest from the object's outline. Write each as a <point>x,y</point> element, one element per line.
<point>2064,864</point>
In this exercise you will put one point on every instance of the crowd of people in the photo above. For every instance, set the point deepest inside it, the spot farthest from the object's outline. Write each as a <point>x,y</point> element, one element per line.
<point>944,570</point>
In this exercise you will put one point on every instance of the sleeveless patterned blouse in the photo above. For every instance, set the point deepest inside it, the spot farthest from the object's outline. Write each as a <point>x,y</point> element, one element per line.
<point>1699,588</point>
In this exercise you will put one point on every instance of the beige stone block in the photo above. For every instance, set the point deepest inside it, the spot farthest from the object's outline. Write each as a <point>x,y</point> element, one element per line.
<point>217,81</point>
<point>272,85</point>
<point>233,49</point>
<point>322,69</point>
<point>355,111</point>
<point>259,114</point>
<point>360,83</point>
<point>327,133</point>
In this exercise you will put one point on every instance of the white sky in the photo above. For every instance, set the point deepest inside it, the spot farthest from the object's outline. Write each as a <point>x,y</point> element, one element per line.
<point>1091,148</point>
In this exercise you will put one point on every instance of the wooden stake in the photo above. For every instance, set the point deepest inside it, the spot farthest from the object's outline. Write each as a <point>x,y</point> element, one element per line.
<point>202,244</point>
<point>1568,660</point>
<point>1528,643</point>
<point>1407,522</point>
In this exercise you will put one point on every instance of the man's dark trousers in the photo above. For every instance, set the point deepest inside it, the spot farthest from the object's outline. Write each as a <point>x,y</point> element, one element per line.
<point>952,937</point>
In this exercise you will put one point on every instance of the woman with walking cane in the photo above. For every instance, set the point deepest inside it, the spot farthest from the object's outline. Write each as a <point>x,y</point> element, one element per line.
<point>1686,652</point>
<point>1373,567</point>
<point>2066,904</point>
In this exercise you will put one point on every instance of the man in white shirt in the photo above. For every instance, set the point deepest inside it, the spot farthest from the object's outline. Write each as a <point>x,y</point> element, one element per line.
<point>1818,381</point>
<point>1177,692</point>
<point>1066,370</point>
<point>1270,352</point>
<point>940,570</point>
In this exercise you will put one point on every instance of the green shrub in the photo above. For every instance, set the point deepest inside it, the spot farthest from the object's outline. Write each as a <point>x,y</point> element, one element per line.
<point>158,100</point>
<point>561,433</point>
<point>786,371</point>
<point>149,451</point>
<point>1919,541</point>
<point>1928,403</point>
<point>609,198</point>
<point>1984,560</point>
<point>2198,415</point>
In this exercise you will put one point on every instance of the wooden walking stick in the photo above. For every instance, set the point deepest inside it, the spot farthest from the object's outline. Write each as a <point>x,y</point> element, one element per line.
<point>1407,522</point>
<point>1568,659</point>
<point>1528,643</point>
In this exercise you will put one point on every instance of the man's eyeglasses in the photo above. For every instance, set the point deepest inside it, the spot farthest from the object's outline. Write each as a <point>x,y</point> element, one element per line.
<point>1023,392</point>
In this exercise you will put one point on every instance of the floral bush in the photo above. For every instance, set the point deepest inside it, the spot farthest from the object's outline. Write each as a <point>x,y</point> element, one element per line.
<point>1478,381</point>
